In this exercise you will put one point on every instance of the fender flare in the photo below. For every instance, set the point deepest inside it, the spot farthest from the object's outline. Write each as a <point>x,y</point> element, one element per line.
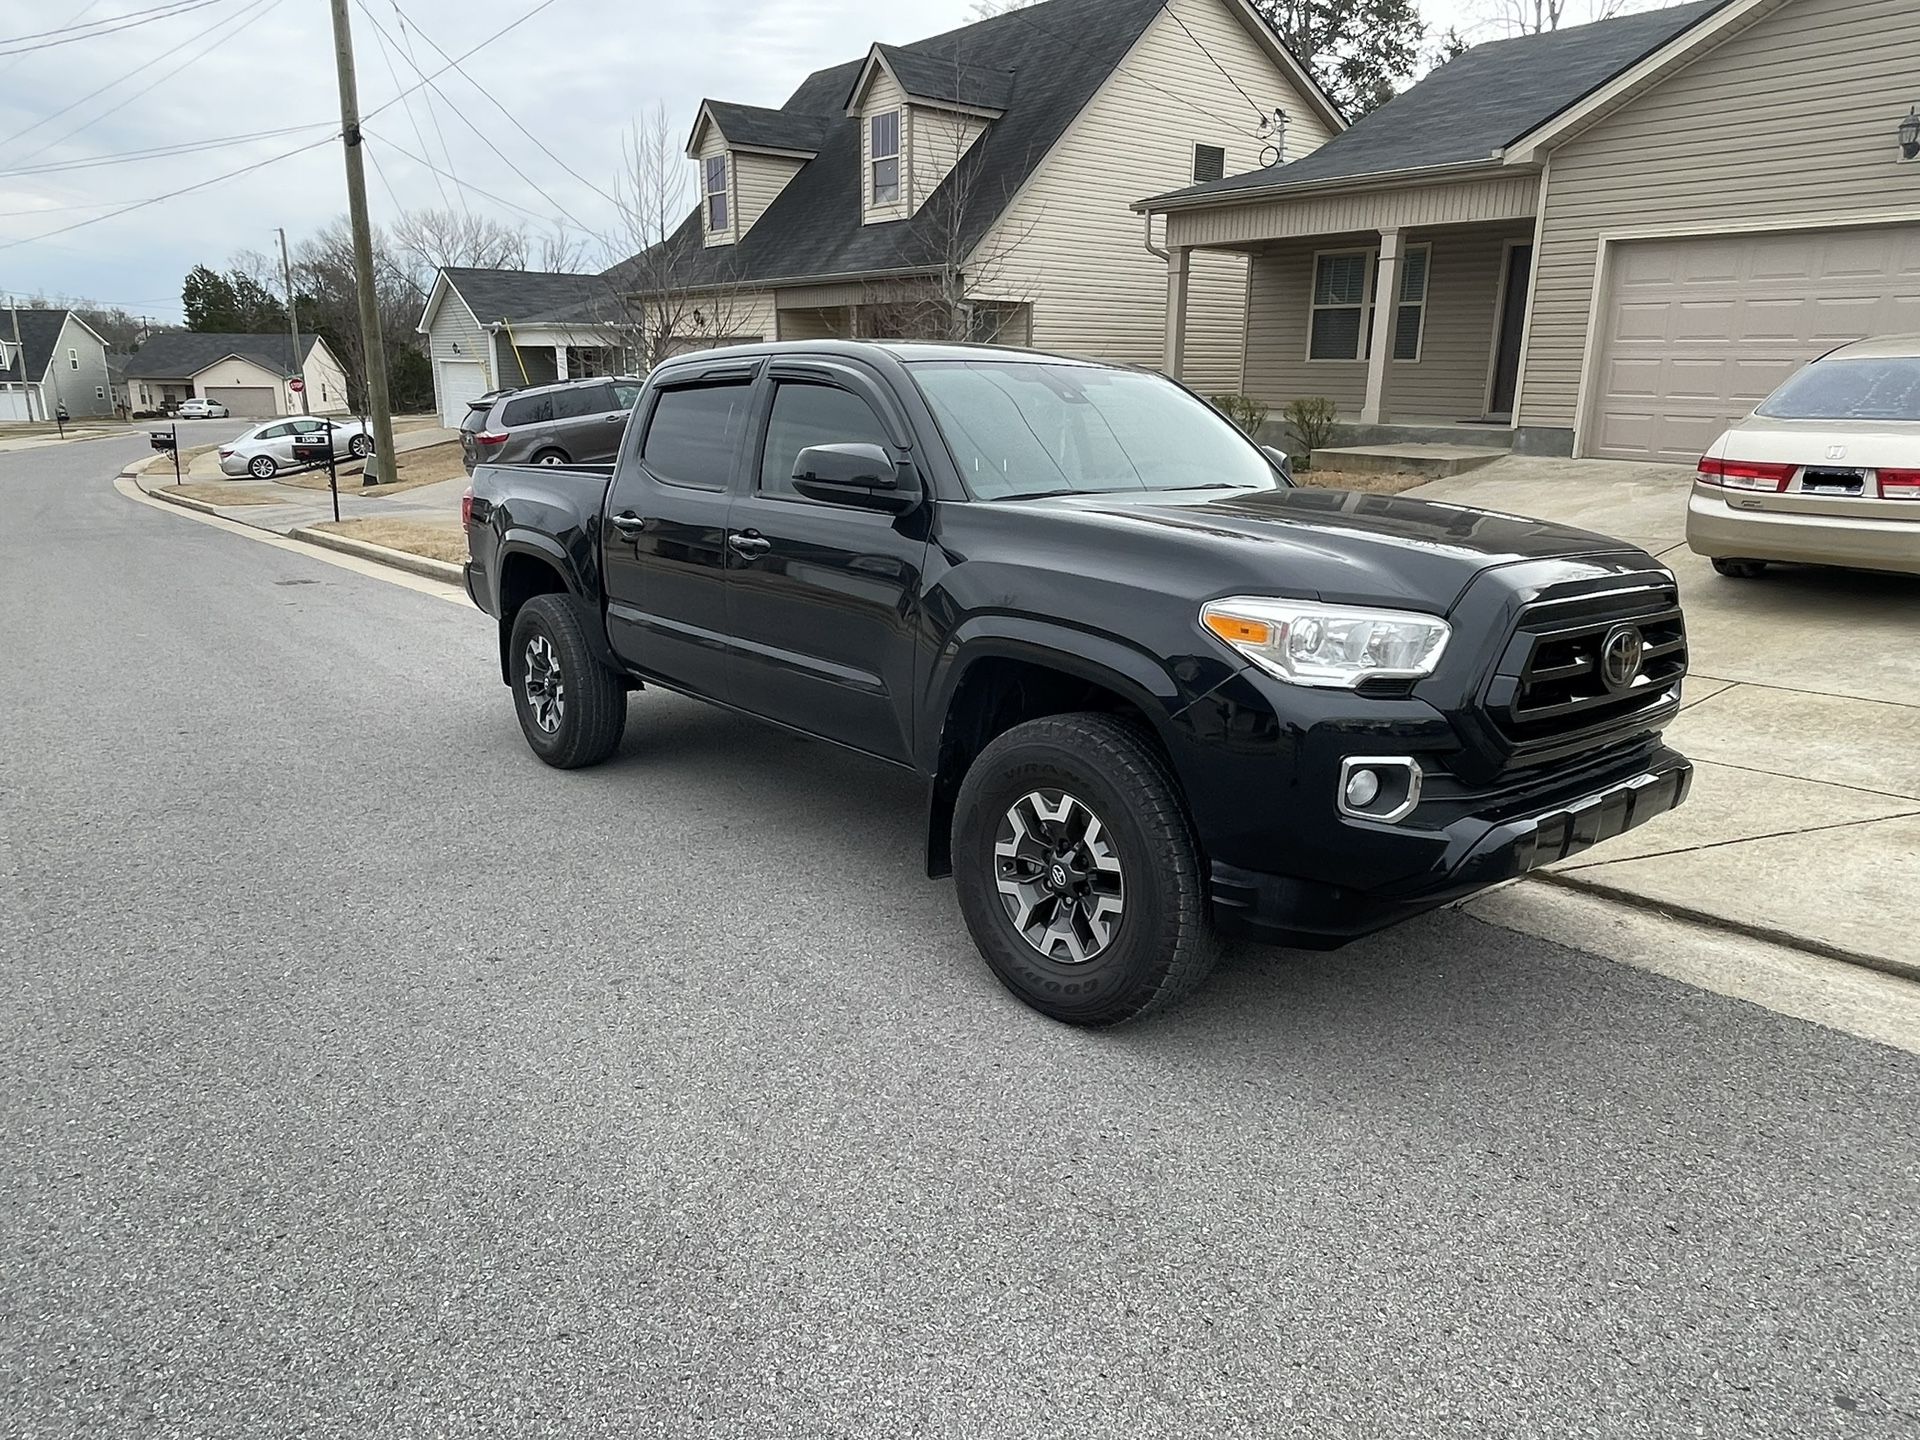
<point>1096,659</point>
<point>551,553</point>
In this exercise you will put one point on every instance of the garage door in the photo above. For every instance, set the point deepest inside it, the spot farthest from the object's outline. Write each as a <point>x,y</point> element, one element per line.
<point>1697,332</point>
<point>456,382</point>
<point>14,405</point>
<point>243,399</point>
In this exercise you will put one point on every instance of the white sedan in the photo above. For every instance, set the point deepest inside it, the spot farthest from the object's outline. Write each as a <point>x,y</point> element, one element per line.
<point>267,449</point>
<point>1826,471</point>
<point>198,409</point>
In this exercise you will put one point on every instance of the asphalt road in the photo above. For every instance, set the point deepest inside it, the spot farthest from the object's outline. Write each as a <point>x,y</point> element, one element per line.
<point>361,1076</point>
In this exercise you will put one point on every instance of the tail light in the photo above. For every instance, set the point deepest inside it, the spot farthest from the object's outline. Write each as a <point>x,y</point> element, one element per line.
<point>1744,474</point>
<point>1900,484</point>
<point>490,437</point>
<point>226,452</point>
<point>466,509</point>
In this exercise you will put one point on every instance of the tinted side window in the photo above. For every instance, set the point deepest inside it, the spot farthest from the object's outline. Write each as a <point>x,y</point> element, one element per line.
<point>804,415</point>
<point>579,401</point>
<point>529,410</point>
<point>691,437</point>
<point>625,393</point>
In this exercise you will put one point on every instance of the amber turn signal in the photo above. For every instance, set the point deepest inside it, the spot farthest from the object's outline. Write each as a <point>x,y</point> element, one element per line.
<point>1236,631</point>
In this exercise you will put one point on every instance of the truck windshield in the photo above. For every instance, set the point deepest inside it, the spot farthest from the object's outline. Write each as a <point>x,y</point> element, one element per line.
<point>1021,429</point>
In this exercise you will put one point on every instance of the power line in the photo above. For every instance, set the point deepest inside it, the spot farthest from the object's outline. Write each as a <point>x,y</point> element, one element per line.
<point>467,54</point>
<point>400,22</point>
<point>73,19</point>
<point>494,101</point>
<point>159,152</point>
<point>1201,47</point>
<point>483,194</point>
<point>386,54</point>
<point>97,29</point>
<point>254,5</point>
<point>183,190</point>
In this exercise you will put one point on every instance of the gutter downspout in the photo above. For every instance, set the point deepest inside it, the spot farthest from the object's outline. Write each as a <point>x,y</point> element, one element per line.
<point>1147,238</point>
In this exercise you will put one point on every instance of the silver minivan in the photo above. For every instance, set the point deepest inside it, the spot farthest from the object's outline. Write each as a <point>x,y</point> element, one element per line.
<point>576,422</point>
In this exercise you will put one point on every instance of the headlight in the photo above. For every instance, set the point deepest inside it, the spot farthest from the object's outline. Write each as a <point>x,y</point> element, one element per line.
<point>1306,643</point>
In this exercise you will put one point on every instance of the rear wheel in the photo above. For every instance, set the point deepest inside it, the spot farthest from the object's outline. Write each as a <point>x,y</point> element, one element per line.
<point>550,457</point>
<point>1740,569</point>
<point>262,467</point>
<point>1078,873</point>
<point>572,709</point>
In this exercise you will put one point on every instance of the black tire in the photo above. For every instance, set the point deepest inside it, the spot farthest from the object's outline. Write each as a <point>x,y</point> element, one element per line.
<point>582,723</point>
<point>263,467</point>
<point>1741,569</point>
<point>360,446</point>
<point>552,457</point>
<point>1162,946</point>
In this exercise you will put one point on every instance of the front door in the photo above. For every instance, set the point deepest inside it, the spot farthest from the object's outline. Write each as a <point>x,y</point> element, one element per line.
<point>823,596</point>
<point>1513,321</point>
<point>665,550</point>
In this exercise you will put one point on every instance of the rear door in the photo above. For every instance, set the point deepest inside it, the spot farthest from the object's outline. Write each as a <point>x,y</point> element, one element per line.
<point>665,549</point>
<point>822,600</point>
<point>525,419</point>
<point>585,423</point>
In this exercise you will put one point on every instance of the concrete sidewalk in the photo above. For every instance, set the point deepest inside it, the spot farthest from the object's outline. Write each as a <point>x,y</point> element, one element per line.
<point>1802,716</point>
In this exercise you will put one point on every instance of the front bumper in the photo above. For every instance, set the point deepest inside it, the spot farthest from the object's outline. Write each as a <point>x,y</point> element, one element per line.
<point>1723,529</point>
<point>1482,850</point>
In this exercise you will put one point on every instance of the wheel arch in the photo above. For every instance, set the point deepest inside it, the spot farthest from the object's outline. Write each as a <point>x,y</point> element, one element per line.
<point>531,564</point>
<point>1017,671</point>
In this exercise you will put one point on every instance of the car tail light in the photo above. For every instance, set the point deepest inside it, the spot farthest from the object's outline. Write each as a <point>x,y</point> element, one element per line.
<point>1745,474</point>
<point>466,509</point>
<point>226,452</point>
<point>1900,484</point>
<point>490,437</point>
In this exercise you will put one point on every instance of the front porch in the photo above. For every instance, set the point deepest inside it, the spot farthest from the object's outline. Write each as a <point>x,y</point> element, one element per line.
<point>1404,307</point>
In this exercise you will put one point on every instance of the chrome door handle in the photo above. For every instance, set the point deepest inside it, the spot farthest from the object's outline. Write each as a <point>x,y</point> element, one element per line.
<point>629,524</point>
<point>749,544</point>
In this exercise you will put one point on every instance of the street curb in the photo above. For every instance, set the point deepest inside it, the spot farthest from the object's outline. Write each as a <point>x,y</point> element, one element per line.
<point>1905,970</point>
<point>185,502</point>
<point>444,570</point>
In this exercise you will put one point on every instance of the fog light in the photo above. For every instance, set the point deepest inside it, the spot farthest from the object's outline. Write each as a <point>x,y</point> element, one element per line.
<point>1362,786</point>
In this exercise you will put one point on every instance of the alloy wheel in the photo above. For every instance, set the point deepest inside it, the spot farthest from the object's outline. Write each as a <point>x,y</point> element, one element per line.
<point>545,686</point>
<point>1059,876</point>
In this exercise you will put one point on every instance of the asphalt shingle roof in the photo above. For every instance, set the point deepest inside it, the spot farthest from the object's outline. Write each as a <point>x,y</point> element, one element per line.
<point>773,129</point>
<point>1484,100</point>
<point>39,333</point>
<point>941,77</point>
<point>176,354</point>
<point>1053,57</point>
<point>525,296</point>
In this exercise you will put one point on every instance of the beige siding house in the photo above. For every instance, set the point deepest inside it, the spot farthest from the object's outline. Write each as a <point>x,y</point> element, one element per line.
<point>251,375</point>
<point>979,184</point>
<point>1608,241</point>
<point>502,329</point>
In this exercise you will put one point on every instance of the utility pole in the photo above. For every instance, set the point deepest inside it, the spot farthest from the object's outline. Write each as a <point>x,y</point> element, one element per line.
<point>293,324</point>
<point>372,351</point>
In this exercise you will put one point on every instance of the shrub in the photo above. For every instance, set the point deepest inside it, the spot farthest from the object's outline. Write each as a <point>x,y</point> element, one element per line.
<point>1245,411</point>
<point>1311,419</point>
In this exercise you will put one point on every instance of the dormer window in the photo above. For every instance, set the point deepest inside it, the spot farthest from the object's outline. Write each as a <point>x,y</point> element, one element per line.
<point>883,133</point>
<point>716,188</point>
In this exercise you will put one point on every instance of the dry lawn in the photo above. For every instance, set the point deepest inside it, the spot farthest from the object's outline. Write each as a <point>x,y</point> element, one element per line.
<point>220,492</point>
<point>1372,482</point>
<point>417,468</point>
<point>435,539</point>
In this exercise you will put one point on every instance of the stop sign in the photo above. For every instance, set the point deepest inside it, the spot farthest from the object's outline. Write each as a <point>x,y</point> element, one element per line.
<point>296,385</point>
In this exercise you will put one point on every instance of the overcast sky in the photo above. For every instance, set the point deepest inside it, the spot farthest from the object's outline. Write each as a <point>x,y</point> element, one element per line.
<point>574,75</point>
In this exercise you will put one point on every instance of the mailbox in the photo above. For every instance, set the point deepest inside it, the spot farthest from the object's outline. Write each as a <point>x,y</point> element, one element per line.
<point>161,439</point>
<point>316,448</point>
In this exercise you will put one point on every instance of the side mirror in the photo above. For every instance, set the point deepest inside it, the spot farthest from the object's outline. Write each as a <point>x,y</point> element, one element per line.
<point>1282,461</point>
<point>855,474</point>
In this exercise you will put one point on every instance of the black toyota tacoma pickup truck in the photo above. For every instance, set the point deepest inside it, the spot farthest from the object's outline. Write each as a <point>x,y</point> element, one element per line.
<point>1154,690</point>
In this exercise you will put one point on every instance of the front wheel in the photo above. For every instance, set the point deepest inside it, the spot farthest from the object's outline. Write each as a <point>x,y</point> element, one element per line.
<point>1078,872</point>
<point>360,446</point>
<point>572,709</point>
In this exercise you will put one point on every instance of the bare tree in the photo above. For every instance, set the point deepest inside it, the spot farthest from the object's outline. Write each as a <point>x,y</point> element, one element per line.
<point>670,292</point>
<point>1535,17</point>
<point>432,238</point>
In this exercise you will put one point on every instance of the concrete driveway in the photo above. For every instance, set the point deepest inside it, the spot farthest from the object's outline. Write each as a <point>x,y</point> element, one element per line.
<point>1802,714</point>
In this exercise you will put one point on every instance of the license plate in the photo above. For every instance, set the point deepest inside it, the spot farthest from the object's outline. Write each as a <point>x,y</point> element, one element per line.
<point>1832,482</point>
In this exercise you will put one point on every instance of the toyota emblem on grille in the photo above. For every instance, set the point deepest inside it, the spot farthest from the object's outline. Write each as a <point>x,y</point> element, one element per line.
<point>1620,657</point>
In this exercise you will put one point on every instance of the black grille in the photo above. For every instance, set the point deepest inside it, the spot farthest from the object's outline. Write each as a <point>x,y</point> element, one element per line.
<point>1551,691</point>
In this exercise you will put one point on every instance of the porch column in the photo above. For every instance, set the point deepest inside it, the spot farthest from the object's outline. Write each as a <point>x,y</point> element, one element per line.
<point>1386,304</point>
<point>560,362</point>
<point>1176,355</point>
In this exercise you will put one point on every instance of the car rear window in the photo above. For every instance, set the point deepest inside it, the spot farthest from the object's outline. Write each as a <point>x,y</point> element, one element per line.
<point>1880,387</point>
<point>527,410</point>
<point>476,417</point>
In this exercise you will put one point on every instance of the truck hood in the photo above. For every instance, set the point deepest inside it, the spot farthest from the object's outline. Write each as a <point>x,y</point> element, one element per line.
<point>1349,546</point>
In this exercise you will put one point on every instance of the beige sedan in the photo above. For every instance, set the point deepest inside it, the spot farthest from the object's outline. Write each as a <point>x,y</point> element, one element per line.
<point>1826,471</point>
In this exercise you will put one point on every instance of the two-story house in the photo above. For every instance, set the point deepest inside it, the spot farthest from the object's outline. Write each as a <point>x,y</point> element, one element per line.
<point>978,185</point>
<point>50,358</point>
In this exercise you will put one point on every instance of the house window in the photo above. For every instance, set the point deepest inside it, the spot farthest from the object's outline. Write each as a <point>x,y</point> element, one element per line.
<point>99,392</point>
<point>1209,162</point>
<point>883,132</point>
<point>73,359</point>
<point>1341,323</point>
<point>716,193</point>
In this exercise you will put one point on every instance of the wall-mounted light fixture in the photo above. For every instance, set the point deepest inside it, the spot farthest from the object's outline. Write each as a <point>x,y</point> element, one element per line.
<point>1910,134</point>
<point>456,347</point>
